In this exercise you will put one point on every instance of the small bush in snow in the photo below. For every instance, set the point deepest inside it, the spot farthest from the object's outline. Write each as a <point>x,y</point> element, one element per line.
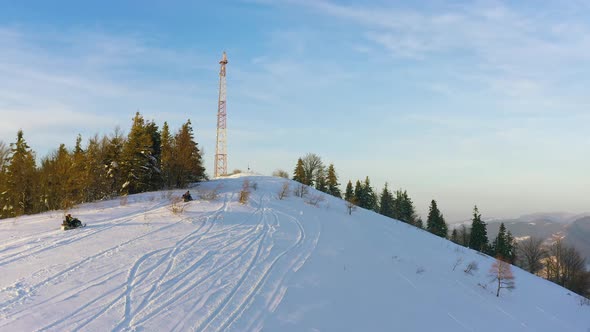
<point>280,174</point>
<point>245,192</point>
<point>471,267</point>
<point>301,190</point>
<point>210,195</point>
<point>350,206</point>
<point>123,201</point>
<point>284,191</point>
<point>420,270</point>
<point>176,205</point>
<point>315,200</point>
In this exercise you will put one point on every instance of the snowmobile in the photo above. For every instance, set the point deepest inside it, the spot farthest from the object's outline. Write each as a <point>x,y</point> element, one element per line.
<point>71,223</point>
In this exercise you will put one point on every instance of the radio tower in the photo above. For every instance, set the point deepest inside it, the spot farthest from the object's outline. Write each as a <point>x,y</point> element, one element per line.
<point>221,148</point>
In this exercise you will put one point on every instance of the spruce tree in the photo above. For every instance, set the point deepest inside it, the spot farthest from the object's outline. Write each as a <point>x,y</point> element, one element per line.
<point>188,166</point>
<point>97,184</point>
<point>386,202</point>
<point>349,193</point>
<point>435,223</point>
<point>166,156</point>
<point>20,196</point>
<point>56,180</point>
<point>138,161</point>
<point>403,207</point>
<point>479,234</point>
<point>78,177</point>
<point>4,152</point>
<point>299,173</point>
<point>502,247</point>
<point>369,197</point>
<point>332,182</point>
<point>419,223</point>
<point>113,162</point>
<point>359,194</point>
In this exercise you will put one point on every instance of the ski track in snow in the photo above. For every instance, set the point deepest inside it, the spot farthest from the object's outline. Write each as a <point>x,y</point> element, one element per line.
<point>231,266</point>
<point>222,266</point>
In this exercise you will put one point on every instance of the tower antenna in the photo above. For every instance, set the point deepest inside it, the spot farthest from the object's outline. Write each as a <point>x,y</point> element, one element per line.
<point>221,147</point>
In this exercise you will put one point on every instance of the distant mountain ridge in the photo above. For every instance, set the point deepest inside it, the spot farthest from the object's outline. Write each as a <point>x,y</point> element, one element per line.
<point>575,228</point>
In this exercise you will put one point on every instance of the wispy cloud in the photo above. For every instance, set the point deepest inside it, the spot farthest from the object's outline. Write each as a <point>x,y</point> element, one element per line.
<point>89,81</point>
<point>516,55</point>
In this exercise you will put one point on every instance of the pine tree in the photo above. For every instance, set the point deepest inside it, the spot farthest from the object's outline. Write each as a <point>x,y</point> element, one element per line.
<point>138,164</point>
<point>57,180</point>
<point>4,153</point>
<point>154,177</point>
<point>78,176</point>
<point>332,182</point>
<point>95,170</point>
<point>435,223</point>
<point>403,207</point>
<point>20,197</point>
<point>113,151</point>
<point>503,246</point>
<point>359,193</point>
<point>386,202</point>
<point>299,173</point>
<point>419,223</point>
<point>166,146</point>
<point>349,193</point>
<point>479,234</point>
<point>188,165</point>
<point>369,199</point>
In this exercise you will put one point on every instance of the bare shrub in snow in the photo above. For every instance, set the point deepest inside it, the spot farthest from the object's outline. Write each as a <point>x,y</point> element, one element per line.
<point>315,200</point>
<point>280,174</point>
<point>284,191</point>
<point>210,195</point>
<point>457,263</point>
<point>123,200</point>
<point>176,205</point>
<point>254,186</point>
<point>350,206</point>
<point>301,190</point>
<point>471,267</point>
<point>245,192</point>
<point>501,272</point>
<point>420,270</point>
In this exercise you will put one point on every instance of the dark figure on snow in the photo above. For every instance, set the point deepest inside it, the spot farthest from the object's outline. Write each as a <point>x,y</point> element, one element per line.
<point>71,222</point>
<point>187,196</point>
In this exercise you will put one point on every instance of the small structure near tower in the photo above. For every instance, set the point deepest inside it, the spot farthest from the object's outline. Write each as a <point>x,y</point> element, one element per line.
<point>221,147</point>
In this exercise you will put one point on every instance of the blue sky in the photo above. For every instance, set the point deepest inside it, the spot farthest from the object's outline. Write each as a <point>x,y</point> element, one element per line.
<point>481,102</point>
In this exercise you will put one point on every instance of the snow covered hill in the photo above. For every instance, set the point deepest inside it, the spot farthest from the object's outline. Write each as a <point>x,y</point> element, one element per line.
<point>272,265</point>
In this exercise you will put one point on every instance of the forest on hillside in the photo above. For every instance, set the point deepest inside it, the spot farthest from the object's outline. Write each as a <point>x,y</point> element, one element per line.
<point>148,158</point>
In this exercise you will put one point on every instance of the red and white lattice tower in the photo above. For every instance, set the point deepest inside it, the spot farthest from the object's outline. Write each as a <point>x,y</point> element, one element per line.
<point>221,148</point>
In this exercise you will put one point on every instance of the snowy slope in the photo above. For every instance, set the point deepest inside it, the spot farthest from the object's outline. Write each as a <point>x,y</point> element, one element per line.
<point>272,265</point>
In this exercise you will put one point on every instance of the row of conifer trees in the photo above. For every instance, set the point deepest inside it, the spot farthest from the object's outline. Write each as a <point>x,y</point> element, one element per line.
<point>148,158</point>
<point>558,263</point>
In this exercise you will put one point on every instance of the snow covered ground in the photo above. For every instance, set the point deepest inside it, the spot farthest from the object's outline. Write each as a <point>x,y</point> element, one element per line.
<point>272,265</point>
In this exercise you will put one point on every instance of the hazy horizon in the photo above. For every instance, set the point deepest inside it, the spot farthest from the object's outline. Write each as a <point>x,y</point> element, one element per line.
<point>466,103</point>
